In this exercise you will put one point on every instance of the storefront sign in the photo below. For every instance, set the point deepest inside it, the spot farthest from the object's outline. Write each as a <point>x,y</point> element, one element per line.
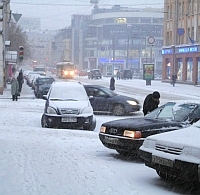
<point>167,51</point>
<point>187,49</point>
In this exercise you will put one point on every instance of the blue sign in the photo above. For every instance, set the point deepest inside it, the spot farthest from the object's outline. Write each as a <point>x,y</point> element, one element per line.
<point>180,31</point>
<point>167,51</point>
<point>187,49</point>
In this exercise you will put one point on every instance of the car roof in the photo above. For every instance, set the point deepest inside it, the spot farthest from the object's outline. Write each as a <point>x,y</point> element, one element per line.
<point>45,77</point>
<point>68,84</point>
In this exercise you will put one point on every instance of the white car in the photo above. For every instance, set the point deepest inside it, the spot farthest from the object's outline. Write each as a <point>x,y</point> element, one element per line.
<point>174,154</point>
<point>68,106</point>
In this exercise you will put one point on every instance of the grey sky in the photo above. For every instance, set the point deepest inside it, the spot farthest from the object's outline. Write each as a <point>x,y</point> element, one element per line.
<point>59,16</point>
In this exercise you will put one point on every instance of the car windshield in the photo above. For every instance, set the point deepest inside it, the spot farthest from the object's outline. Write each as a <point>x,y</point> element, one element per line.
<point>172,111</point>
<point>43,81</point>
<point>68,93</point>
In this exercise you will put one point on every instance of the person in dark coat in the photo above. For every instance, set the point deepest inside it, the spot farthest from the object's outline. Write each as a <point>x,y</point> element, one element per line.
<point>14,88</point>
<point>151,102</point>
<point>174,77</point>
<point>112,84</point>
<point>20,80</point>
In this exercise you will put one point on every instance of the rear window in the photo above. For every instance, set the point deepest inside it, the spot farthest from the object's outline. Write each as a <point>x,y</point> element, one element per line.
<point>46,81</point>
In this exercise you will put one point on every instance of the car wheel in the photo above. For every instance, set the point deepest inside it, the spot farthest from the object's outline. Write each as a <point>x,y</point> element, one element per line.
<point>43,122</point>
<point>118,110</point>
<point>164,176</point>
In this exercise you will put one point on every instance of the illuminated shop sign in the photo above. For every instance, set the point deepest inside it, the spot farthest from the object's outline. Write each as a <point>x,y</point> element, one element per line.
<point>187,49</point>
<point>167,51</point>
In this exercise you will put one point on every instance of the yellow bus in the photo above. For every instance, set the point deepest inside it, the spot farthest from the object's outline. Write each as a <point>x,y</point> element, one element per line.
<point>65,70</point>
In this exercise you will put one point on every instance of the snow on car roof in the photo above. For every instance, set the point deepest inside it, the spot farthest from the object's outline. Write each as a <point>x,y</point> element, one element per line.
<point>67,83</point>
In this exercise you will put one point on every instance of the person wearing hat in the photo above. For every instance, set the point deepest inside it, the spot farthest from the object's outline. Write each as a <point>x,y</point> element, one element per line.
<point>151,102</point>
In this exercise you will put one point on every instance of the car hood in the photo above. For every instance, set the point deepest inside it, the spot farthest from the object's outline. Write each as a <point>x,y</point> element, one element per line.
<point>145,125</point>
<point>69,104</point>
<point>186,137</point>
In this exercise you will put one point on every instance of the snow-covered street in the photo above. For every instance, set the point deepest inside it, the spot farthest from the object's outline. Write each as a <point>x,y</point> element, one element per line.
<point>41,161</point>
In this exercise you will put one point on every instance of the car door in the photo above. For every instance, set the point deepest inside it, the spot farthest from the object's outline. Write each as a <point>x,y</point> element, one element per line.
<point>98,100</point>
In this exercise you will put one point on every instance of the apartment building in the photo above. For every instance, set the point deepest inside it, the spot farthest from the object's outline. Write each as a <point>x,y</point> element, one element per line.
<point>181,50</point>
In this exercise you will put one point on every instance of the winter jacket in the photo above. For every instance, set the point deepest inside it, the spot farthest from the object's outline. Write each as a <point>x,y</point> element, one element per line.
<point>112,84</point>
<point>14,86</point>
<point>150,104</point>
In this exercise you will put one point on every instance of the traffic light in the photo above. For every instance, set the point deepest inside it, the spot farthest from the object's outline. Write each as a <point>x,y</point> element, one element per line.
<point>21,53</point>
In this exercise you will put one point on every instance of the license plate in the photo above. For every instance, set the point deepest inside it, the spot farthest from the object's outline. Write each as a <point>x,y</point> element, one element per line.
<point>162,161</point>
<point>69,120</point>
<point>111,140</point>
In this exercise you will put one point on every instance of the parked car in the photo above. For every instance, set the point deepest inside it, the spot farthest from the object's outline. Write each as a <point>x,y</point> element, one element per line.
<point>42,85</point>
<point>127,135</point>
<point>68,106</point>
<point>127,74</point>
<point>174,154</point>
<point>31,76</point>
<point>94,74</point>
<point>103,100</point>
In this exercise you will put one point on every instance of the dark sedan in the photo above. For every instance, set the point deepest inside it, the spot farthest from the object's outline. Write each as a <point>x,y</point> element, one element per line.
<point>42,85</point>
<point>127,135</point>
<point>103,100</point>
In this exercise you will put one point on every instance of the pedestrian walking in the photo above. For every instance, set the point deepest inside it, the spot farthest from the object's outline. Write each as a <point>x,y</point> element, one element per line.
<point>151,102</point>
<point>20,80</point>
<point>112,84</point>
<point>118,75</point>
<point>14,88</point>
<point>174,77</point>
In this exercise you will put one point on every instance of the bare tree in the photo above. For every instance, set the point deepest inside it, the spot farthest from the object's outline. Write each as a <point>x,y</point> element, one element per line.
<point>18,38</point>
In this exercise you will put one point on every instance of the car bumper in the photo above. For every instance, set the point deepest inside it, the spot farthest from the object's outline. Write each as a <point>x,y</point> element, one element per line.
<point>121,143</point>
<point>56,121</point>
<point>184,170</point>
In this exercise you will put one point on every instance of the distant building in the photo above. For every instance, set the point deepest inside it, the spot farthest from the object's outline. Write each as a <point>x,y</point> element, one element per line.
<point>181,50</point>
<point>118,38</point>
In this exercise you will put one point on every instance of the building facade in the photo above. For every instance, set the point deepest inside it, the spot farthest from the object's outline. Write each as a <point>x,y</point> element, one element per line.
<point>181,50</point>
<point>118,38</point>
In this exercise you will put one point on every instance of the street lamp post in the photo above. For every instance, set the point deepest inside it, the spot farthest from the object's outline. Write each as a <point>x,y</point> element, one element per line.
<point>127,52</point>
<point>113,46</point>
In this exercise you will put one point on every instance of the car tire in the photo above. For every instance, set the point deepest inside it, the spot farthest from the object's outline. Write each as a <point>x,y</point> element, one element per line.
<point>43,122</point>
<point>164,176</point>
<point>118,110</point>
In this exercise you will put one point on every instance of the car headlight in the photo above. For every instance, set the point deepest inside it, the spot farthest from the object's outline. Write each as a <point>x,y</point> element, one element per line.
<point>66,72</point>
<point>102,129</point>
<point>131,102</point>
<point>195,152</point>
<point>87,110</point>
<point>132,134</point>
<point>51,110</point>
<point>71,73</point>
<point>148,143</point>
